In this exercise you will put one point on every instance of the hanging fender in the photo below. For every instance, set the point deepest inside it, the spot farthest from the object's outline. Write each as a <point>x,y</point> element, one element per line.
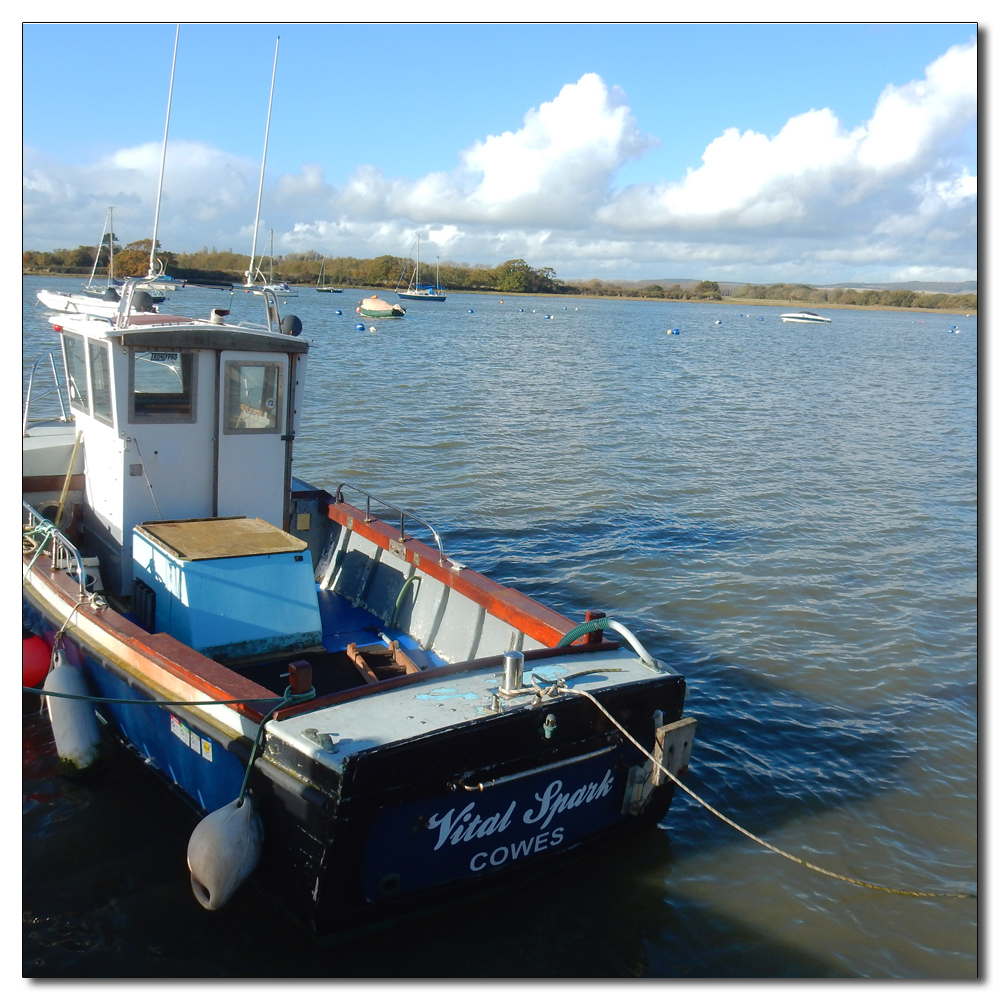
<point>223,850</point>
<point>74,723</point>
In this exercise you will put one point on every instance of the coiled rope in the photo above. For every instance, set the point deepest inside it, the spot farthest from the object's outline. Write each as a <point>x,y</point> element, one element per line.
<point>34,539</point>
<point>562,687</point>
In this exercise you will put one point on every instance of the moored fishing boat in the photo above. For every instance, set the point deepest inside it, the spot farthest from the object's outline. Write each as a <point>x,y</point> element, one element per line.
<point>373,307</point>
<point>403,730</point>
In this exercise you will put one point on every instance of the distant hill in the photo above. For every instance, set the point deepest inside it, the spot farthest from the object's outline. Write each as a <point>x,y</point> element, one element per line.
<point>948,287</point>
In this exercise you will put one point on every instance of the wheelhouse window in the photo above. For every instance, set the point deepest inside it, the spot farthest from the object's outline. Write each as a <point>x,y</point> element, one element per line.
<point>100,380</point>
<point>75,353</point>
<point>253,397</point>
<point>161,387</point>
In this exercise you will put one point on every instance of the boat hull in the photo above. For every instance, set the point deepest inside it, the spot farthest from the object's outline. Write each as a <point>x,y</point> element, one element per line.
<point>398,828</point>
<point>417,297</point>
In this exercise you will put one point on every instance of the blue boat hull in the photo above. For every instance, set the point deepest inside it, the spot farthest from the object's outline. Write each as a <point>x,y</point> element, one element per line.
<point>198,761</point>
<point>386,839</point>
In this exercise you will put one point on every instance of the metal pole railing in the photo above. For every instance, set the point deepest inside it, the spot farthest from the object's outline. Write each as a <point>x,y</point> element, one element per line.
<point>403,515</point>
<point>61,550</point>
<point>56,388</point>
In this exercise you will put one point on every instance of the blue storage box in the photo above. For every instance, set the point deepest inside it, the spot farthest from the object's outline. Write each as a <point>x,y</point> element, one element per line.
<point>229,587</point>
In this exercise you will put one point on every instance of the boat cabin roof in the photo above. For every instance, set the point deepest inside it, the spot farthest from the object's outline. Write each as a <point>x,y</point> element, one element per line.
<point>193,335</point>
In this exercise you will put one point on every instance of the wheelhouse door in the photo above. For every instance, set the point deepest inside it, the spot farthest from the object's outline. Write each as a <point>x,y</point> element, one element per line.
<point>251,465</point>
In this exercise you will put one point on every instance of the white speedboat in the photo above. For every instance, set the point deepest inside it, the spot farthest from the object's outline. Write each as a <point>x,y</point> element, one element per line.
<point>104,305</point>
<point>804,317</point>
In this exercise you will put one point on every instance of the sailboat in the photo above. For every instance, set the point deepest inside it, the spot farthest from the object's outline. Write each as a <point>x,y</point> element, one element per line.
<point>429,293</point>
<point>108,304</point>
<point>102,290</point>
<point>281,287</point>
<point>93,300</point>
<point>320,287</point>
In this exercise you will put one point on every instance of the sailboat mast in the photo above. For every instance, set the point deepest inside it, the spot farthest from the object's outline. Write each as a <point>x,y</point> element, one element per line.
<point>263,161</point>
<point>111,246</point>
<point>417,276</point>
<point>163,160</point>
<point>97,256</point>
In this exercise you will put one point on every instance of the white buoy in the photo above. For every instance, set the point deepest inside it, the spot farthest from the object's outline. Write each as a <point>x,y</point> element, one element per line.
<point>74,723</point>
<point>223,850</point>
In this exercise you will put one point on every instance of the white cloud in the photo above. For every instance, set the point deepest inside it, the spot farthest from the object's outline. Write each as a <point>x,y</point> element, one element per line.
<point>556,170</point>
<point>814,169</point>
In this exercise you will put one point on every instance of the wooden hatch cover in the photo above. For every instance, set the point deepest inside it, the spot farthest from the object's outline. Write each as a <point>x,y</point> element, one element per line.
<point>221,537</point>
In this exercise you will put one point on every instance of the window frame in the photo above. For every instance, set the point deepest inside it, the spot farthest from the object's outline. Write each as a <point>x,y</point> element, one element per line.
<point>234,364</point>
<point>137,415</point>
<point>72,382</point>
<point>95,347</point>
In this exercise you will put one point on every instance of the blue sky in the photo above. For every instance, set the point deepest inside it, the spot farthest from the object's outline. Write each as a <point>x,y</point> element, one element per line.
<point>762,152</point>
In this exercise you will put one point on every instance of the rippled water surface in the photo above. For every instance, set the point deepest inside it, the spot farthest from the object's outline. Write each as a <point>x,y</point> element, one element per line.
<point>786,513</point>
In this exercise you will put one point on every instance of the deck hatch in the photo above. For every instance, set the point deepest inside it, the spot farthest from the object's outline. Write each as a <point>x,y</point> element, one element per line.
<point>221,537</point>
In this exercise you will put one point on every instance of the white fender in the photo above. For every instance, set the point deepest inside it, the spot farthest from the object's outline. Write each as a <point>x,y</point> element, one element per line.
<point>223,850</point>
<point>74,723</point>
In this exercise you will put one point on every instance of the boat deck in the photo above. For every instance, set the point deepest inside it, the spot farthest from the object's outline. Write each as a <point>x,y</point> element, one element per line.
<point>343,623</point>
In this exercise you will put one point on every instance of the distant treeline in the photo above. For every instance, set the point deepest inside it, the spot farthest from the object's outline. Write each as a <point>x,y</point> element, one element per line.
<point>510,277</point>
<point>298,268</point>
<point>861,296</point>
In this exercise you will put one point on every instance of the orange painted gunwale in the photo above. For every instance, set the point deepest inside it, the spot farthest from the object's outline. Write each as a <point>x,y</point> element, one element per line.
<point>526,615</point>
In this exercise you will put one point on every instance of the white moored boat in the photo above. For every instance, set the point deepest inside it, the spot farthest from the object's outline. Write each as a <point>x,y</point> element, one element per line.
<point>803,317</point>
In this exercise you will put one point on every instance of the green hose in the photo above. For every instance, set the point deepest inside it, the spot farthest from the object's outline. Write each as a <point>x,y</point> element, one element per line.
<point>595,626</point>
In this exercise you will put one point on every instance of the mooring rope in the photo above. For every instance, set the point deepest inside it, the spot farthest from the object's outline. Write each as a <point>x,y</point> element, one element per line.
<point>140,701</point>
<point>725,819</point>
<point>289,699</point>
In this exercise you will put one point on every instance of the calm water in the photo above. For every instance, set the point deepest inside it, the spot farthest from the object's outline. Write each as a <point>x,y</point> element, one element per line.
<point>787,514</point>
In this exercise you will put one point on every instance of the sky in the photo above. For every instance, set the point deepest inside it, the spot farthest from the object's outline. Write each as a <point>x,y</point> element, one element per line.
<point>762,152</point>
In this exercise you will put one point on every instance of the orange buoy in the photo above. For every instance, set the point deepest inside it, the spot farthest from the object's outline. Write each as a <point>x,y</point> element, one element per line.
<point>35,659</point>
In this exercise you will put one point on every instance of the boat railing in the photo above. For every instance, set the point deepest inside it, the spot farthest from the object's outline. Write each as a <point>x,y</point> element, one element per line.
<point>56,387</point>
<point>272,314</point>
<point>46,537</point>
<point>403,515</point>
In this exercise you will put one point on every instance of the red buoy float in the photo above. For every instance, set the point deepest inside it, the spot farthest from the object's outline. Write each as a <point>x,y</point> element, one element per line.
<point>35,659</point>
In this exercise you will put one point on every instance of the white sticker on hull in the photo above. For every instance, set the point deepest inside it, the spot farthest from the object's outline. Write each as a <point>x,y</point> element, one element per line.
<point>190,738</point>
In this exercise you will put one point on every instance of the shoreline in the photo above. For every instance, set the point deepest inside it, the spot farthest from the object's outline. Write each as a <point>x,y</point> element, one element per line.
<point>726,300</point>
